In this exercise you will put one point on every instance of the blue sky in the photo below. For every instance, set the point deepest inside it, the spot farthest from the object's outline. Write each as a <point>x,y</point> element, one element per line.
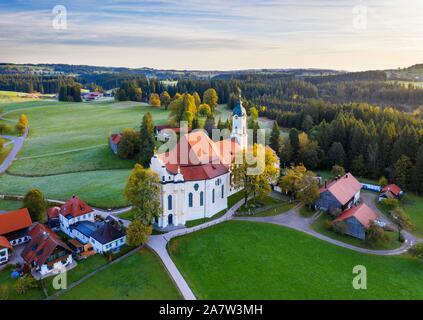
<point>216,34</point>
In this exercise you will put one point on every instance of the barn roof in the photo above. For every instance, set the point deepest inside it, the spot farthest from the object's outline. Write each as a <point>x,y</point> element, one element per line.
<point>393,188</point>
<point>14,221</point>
<point>343,188</point>
<point>363,213</point>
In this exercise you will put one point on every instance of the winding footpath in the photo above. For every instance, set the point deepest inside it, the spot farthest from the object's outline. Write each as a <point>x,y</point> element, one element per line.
<point>17,146</point>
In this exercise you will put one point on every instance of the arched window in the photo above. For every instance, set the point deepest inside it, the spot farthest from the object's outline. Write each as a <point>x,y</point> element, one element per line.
<point>201,198</point>
<point>223,191</point>
<point>169,202</point>
<point>190,200</point>
<point>213,195</point>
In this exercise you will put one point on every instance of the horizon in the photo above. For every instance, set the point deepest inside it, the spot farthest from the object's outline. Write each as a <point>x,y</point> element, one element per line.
<point>215,36</point>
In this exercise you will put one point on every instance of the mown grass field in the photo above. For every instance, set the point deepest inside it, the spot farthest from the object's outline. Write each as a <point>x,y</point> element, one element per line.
<point>248,260</point>
<point>138,277</point>
<point>10,205</point>
<point>67,150</point>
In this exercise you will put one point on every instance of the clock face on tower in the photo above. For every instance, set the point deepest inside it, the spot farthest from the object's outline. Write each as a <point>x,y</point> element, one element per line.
<point>236,117</point>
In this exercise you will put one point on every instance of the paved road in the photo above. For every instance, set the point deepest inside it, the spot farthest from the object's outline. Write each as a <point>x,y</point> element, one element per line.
<point>17,146</point>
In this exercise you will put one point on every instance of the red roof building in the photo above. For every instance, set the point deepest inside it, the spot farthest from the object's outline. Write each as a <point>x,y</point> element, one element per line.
<point>14,226</point>
<point>46,250</point>
<point>74,208</point>
<point>363,213</point>
<point>4,243</point>
<point>196,157</point>
<point>391,191</point>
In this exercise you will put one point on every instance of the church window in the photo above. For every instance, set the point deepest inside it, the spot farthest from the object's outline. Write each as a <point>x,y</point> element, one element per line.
<point>223,191</point>
<point>196,186</point>
<point>201,198</point>
<point>169,202</point>
<point>213,195</point>
<point>190,199</point>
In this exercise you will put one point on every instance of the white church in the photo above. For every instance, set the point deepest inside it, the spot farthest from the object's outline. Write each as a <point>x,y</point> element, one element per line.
<point>195,174</point>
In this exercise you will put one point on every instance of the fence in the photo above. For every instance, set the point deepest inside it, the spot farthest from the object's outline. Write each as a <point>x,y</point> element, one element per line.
<point>371,187</point>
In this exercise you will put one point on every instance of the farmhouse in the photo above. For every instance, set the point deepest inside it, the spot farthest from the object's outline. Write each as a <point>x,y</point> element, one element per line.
<point>46,253</point>
<point>5,248</point>
<point>74,211</point>
<point>195,175</point>
<point>78,221</point>
<point>357,220</point>
<point>14,226</point>
<point>341,193</point>
<point>391,191</point>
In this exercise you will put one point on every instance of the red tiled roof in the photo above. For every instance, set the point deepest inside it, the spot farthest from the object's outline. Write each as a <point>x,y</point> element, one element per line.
<point>75,207</point>
<point>42,245</point>
<point>227,150</point>
<point>116,137</point>
<point>166,126</point>
<point>4,243</point>
<point>14,220</point>
<point>53,212</point>
<point>196,156</point>
<point>396,191</point>
<point>344,188</point>
<point>364,214</point>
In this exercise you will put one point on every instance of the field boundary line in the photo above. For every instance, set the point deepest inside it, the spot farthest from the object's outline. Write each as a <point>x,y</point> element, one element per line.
<point>62,152</point>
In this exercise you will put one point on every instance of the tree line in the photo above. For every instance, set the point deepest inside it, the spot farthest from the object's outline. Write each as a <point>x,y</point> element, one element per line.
<point>34,83</point>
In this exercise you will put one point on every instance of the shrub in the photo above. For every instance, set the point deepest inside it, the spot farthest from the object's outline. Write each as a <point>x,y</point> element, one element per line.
<point>4,292</point>
<point>390,204</point>
<point>339,227</point>
<point>25,283</point>
<point>328,225</point>
<point>383,182</point>
<point>36,204</point>
<point>337,170</point>
<point>376,234</point>
<point>417,251</point>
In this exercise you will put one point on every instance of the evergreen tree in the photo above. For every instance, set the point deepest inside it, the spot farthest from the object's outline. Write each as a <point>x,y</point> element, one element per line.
<point>295,143</point>
<point>336,155</point>
<point>275,138</point>
<point>403,170</point>
<point>210,125</point>
<point>147,140</point>
<point>419,170</point>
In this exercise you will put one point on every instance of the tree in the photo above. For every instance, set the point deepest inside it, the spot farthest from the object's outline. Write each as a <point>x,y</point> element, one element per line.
<point>138,233</point>
<point>204,110</point>
<point>417,251</point>
<point>211,98</point>
<point>403,169</point>
<point>197,99</point>
<point>154,100</point>
<point>275,138</point>
<point>358,166</point>
<point>129,145</point>
<point>293,180</point>
<point>337,171</point>
<point>147,140</point>
<point>336,155</point>
<point>165,99</point>
<point>383,182</point>
<point>253,122</point>
<point>253,173</point>
<point>25,283</point>
<point>419,170</point>
<point>182,108</point>
<point>143,191</point>
<point>309,192</point>
<point>285,152</point>
<point>210,125</point>
<point>375,234</point>
<point>35,202</point>
<point>309,153</point>
<point>295,143</point>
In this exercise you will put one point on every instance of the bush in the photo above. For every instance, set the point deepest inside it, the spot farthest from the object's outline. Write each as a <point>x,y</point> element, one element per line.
<point>5,128</point>
<point>390,204</point>
<point>337,170</point>
<point>376,234</point>
<point>417,251</point>
<point>25,283</point>
<point>4,292</point>
<point>328,225</point>
<point>339,227</point>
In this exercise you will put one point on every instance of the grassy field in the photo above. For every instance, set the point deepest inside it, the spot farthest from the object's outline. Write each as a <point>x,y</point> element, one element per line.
<point>10,205</point>
<point>138,277</point>
<point>32,294</point>
<point>67,151</point>
<point>247,260</point>
<point>269,206</point>
<point>319,226</point>
<point>4,152</point>
<point>306,211</point>
<point>98,188</point>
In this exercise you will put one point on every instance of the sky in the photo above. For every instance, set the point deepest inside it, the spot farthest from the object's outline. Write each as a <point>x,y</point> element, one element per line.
<point>214,34</point>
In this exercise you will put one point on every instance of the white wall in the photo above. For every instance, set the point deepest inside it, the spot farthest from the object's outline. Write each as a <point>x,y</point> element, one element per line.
<point>100,248</point>
<point>57,266</point>
<point>4,255</point>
